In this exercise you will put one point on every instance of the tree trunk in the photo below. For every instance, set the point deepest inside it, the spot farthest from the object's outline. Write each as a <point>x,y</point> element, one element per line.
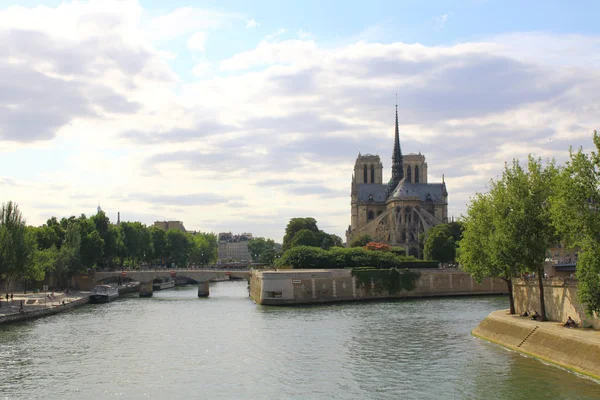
<point>511,299</point>
<point>541,286</point>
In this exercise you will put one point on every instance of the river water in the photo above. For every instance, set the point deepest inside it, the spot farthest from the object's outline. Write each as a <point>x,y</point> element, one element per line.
<point>177,346</point>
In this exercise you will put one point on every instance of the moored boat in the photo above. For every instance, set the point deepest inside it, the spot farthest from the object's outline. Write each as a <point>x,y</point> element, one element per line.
<point>104,294</point>
<point>163,283</point>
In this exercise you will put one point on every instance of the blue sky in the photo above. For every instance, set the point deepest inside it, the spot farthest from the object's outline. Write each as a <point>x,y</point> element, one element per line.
<point>237,115</point>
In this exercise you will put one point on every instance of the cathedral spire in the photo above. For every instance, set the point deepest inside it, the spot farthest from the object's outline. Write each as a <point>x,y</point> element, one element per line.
<point>397,167</point>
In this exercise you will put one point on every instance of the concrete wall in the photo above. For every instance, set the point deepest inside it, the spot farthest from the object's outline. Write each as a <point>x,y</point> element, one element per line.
<point>44,312</point>
<point>560,300</point>
<point>575,349</point>
<point>320,286</point>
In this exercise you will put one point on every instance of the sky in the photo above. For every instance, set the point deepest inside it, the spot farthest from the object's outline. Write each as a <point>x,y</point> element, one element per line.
<point>237,116</point>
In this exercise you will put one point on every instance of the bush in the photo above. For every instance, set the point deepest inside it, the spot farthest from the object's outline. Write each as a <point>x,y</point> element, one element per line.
<point>307,257</point>
<point>375,246</point>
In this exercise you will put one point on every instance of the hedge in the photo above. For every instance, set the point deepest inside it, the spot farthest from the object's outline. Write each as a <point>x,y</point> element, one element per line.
<point>307,257</point>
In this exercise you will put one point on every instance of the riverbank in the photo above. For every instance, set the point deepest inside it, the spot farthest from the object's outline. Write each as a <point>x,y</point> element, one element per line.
<point>38,305</point>
<point>576,349</point>
<point>293,287</point>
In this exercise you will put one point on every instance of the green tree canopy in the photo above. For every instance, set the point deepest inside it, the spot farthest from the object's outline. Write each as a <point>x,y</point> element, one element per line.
<point>440,244</point>
<point>575,207</point>
<point>361,240</point>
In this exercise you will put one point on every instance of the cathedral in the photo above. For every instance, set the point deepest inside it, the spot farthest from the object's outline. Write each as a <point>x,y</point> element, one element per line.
<point>397,212</point>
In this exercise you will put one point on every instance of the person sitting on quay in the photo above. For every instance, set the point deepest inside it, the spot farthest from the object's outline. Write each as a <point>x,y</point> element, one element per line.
<point>525,314</point>
<point>535,315</point>
<point>570,323</point>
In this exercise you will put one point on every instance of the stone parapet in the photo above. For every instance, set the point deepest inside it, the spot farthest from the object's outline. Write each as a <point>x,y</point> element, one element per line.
<point>560,298</point>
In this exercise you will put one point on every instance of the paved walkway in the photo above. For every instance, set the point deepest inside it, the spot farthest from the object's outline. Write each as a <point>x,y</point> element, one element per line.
<point>36,301</point>
<point>586,334</point>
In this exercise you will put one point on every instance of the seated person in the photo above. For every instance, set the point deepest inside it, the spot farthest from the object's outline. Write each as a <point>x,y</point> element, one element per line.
<point>525,314</point>
<point>535,315</point>
<point>570,323</point>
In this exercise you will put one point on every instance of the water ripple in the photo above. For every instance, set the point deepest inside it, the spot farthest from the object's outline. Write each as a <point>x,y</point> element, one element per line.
<point>176,345</point>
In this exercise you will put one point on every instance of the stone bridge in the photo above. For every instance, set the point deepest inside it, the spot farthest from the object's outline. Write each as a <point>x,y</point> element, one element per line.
<point>145,277</point>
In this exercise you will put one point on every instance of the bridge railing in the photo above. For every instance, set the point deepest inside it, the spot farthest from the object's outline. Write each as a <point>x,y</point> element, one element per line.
<point>168,270</point>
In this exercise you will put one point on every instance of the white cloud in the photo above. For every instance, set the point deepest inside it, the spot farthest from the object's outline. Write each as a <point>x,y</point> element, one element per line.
<point>84,82</point>
<point>302,34</point>
<point>202,69</point>
<point>186,20</point>
<point>197,41</point>
<point>279,32</point>
<point>267,53</point>
<point>252,24</point>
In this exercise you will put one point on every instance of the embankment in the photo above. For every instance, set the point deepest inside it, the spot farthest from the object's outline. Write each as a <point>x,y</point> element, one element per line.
<point>43,312</point>
<point>288,287</point>
<point>575,349</point>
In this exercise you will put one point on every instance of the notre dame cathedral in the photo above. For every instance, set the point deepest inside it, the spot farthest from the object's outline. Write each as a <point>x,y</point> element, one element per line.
<point>397,212</point>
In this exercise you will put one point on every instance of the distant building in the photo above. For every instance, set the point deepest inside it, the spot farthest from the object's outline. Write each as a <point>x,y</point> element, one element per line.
<point>234,247</point>
<point>166,225</point>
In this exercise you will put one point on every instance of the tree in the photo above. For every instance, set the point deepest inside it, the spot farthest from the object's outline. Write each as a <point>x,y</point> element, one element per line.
<point>178,247</point>
<point>361,241</point>
<point>16,247</point>
<point>575,214</point>
<point>440,245</point>
<point>69,256</point>
<point>203,249</point>
<point>508,230</point>
<point>158,240</point>
<point>294,226</point>
<point>262,250</point>
<point>305,237</point>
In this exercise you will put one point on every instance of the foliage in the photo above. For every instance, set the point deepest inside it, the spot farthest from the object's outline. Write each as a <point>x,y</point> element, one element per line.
<point>203,248</point>
<point>361,241</point>
<point>574,207</point>
<point>178,247</point>
<point>392,280</point>
<point>305,232</point>
<point>507,230</point>
<point>340,257</point>
<point>440,244</point>
<point>263,250</point>
<point>376,246</point>
<point>16,246</point>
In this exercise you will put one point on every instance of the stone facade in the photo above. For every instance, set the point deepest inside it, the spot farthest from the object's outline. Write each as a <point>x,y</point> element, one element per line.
<point>396,212</point>
<point>234,247</point>
<point>166,225</point>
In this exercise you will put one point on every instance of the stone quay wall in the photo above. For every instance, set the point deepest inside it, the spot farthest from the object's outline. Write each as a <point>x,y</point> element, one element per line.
<point>288,287</point>
<point>27,315</point>
<point>574,349</point>
<point>560,298</point>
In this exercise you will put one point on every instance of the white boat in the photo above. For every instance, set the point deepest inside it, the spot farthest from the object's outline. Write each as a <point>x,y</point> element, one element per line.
<point>163,283</point>
<point>104,294</point>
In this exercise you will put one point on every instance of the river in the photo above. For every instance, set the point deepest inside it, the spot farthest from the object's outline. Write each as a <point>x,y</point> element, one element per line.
<point>177,346</point>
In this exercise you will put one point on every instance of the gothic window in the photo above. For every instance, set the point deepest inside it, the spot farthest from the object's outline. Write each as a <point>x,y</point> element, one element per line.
<point>372,174</point>
<point>403,236</point>
<point>408,174</point>
<point>365,174</point>
<point>416,174</point>
<point>370,216</point>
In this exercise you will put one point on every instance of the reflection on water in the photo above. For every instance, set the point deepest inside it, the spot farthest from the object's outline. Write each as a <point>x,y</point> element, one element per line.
<point>176,345</point>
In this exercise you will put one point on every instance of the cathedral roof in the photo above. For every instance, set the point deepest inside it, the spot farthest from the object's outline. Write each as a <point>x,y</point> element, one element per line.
<point>372,191</point>
<point>423,191</point>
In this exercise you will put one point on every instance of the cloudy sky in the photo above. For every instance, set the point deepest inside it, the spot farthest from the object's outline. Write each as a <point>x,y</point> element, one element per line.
<point>238,115</point>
